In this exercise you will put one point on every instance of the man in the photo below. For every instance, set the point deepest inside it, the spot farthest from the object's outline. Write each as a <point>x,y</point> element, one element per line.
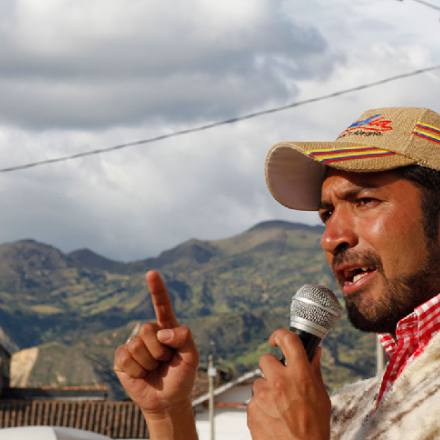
<point>377,190</point>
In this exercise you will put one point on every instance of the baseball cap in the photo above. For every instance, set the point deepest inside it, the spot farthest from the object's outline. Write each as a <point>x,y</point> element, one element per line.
<point>381,139</point>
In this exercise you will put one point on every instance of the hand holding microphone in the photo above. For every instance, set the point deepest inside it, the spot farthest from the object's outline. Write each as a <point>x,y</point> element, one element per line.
<point>291,401</point>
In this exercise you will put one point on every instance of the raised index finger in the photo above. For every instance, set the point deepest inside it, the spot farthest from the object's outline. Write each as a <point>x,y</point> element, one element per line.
<point>161,301</point>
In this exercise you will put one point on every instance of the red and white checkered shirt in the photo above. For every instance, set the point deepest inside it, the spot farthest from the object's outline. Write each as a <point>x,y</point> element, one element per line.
<point>412,336</point>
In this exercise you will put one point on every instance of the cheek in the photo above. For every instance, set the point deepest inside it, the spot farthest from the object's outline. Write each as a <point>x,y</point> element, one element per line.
<point>400,243</point>
<point>384,236</point>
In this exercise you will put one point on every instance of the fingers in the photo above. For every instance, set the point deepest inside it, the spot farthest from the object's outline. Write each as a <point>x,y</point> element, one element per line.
<point>157,342</point>
<point>146,349</point>
<point>291,400</point>
<point>153,346</point>
<point>181,339</point>
<point>297,363</point>
<point>291,345</point>
<point>142,353</point>
<point>148,340</point>
<point>161,301</point>
<point>293,351</point>
<point>316,366</point>
<point>125,363</point>
<point>170,333</point>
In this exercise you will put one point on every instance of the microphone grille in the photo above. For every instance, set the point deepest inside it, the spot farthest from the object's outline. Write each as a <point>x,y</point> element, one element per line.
<point>317,305</point>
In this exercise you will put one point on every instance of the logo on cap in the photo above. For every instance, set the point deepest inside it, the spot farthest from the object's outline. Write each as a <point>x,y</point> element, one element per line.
<point>373,124</point>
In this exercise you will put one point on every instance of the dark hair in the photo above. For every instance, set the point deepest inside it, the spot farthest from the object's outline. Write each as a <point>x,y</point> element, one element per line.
<point>428,181</point>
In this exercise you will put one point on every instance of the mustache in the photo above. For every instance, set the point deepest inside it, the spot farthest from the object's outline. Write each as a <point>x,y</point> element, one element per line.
<point>363,258</point>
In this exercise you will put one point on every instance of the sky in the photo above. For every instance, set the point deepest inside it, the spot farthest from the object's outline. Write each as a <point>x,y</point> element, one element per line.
<point>83,75</point>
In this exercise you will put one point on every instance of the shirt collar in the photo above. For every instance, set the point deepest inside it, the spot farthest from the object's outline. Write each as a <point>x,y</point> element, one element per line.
<point>422,324</point>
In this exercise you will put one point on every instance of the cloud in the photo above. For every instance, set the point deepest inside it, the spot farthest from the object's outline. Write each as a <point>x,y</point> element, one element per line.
<point>74,64</point>
<point>82,75</point>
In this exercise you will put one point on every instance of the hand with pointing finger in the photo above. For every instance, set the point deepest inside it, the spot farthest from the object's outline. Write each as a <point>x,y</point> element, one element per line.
<point>158,367</point>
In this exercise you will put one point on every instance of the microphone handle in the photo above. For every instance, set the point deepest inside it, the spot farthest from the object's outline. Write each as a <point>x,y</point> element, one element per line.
<point>309,341</point>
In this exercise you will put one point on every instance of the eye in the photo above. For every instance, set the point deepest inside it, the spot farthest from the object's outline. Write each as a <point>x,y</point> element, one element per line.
<point>366,201</point>
<point>325,215</point>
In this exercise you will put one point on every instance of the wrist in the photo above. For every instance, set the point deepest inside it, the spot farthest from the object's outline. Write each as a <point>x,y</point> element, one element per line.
<point>174,423</point>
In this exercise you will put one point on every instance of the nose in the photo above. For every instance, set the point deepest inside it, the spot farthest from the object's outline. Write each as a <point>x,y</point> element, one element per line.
<point>339,232</point>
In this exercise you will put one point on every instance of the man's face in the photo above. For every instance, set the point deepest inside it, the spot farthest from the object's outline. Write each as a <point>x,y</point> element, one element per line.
<point>376,246</point>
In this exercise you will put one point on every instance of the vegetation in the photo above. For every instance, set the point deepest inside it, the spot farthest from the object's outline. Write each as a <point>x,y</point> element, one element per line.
<point>232,293</point>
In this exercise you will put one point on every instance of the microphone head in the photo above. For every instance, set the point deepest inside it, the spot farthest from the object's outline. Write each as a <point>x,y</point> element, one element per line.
<point>314,309</point>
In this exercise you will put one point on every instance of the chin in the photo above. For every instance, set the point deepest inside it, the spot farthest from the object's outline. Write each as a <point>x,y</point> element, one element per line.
<point>370,326</point>
<point>373,320</point>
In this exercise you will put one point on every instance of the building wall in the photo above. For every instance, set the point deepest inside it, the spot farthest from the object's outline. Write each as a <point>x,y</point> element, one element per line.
<point>229,424</point>
<point>240,393</point>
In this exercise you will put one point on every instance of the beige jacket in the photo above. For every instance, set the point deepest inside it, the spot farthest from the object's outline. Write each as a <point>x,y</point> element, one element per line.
<point>409,411</point>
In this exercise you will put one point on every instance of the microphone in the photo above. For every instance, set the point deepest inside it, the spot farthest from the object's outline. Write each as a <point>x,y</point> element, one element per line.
<point>313,312</point>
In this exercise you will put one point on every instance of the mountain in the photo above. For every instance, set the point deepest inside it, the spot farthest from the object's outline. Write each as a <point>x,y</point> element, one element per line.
<point>232,293</point>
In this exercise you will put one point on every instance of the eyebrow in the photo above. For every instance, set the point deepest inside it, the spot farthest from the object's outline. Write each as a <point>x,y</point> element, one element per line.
<point>350,193</point>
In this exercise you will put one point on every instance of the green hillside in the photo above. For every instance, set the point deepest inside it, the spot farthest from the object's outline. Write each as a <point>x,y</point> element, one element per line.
<point>231,292</point>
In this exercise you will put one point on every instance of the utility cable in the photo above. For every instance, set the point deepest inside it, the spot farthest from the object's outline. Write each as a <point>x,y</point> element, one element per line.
<point>220,123</point>
<point>428,4</point>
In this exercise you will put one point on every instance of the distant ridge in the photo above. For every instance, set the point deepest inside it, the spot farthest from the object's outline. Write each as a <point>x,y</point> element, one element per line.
<point>285,225</point>
<point>76,308</point>
<point>88,258</point>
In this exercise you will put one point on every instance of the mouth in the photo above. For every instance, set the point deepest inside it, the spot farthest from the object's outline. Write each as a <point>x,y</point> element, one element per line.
<point>354,274</point>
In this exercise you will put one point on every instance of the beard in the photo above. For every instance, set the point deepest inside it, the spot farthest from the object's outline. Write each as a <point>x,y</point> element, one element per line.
<point>399,297</point>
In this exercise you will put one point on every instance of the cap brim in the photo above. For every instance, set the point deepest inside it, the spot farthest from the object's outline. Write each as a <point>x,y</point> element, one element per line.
<point>294,178</point>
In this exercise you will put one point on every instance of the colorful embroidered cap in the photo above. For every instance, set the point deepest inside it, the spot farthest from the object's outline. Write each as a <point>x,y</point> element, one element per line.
<point>379,140</point>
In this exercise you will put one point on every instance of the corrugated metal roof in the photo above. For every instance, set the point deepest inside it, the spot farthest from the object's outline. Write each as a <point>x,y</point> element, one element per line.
<point>122,420</point>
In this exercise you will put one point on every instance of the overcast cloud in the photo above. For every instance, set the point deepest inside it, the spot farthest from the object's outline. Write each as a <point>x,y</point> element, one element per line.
<point>120,62</point>
<point>82,75</point>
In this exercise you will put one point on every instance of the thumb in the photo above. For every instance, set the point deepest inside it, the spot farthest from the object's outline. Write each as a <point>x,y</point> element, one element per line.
<point>182,340</point>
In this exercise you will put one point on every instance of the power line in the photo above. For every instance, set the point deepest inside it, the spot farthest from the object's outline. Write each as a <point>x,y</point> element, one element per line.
<point>220,123</point>
<point>428,4</point>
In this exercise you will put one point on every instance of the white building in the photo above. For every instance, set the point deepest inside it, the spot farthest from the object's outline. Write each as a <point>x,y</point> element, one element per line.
<point>231,402</point>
